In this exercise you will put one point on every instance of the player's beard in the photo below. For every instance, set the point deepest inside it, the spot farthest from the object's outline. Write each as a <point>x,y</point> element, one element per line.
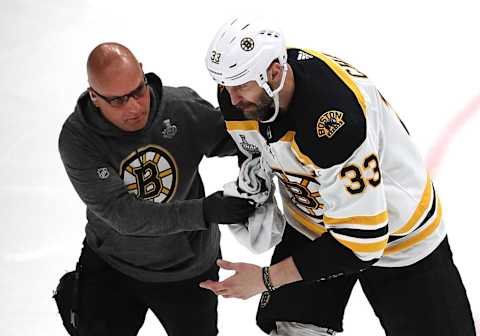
<point>258,111</point>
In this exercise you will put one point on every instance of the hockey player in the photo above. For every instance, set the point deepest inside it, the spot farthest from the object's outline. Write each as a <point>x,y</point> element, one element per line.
<point>358,199</point>
<point>131,149</point>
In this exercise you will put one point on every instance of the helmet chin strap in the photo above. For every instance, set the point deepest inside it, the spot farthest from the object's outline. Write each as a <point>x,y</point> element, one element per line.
<point>275,94</point>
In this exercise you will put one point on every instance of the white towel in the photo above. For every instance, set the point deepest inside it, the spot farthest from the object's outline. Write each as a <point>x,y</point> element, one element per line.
<point>264,228</point>
<point>254,182</point>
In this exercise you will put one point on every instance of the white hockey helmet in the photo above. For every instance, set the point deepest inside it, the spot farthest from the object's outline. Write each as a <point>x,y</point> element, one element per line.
<point>242,50</point>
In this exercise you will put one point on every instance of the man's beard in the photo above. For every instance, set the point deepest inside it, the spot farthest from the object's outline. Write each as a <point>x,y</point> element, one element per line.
<point>260,111</point>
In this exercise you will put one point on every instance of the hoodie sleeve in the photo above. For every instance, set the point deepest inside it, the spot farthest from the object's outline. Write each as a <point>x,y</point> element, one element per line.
<point>222,144</point>
<point>210,125</point>
<point>105,195</point>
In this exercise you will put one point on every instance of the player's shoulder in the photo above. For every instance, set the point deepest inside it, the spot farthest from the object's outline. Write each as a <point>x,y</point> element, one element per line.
<point>324,63</point>
<point>331,109</point>
<point>330,136</point>
<point>329,78</point>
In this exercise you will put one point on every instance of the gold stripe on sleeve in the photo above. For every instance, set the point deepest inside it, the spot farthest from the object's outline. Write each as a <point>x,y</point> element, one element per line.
<point>419,237</point>
<point>364,220</point>
<point>421,208</point>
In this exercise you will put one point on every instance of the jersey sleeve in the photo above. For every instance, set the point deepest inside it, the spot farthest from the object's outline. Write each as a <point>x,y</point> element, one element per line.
<point>355,217</point>
<point>109,199</point>
<point>339,144</point>
<point>356,210</point>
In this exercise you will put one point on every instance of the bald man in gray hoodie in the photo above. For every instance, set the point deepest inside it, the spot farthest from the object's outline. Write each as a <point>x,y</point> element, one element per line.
<point>131,149</point>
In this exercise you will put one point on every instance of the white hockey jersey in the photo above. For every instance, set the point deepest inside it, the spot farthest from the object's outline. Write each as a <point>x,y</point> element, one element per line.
<point>345,163</point>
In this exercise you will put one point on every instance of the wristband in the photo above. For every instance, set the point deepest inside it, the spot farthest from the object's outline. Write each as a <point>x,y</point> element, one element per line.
<point>265,298</point>
<point>267,281</point>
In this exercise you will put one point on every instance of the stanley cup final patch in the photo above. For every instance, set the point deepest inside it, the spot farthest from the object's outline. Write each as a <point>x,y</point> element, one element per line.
<point>329,123</point>
<point>169,130</point>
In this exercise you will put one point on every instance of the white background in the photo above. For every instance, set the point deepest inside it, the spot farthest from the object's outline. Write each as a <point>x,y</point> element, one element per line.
<point>422,55</point>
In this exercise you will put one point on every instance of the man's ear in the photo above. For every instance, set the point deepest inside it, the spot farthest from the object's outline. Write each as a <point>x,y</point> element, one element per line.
<point>93,96</point>
<point>274,72</point>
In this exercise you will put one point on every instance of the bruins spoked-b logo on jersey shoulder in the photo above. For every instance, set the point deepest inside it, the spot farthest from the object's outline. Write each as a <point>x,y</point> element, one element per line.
<point>329,123</point>
<point>150,173</point>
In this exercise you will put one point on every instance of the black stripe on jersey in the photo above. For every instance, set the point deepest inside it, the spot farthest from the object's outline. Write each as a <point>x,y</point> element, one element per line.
<point>429,215</point>
<point>394,238</point>
<point>405,127</point>
<point>431,212</point>
<point>357,233</point>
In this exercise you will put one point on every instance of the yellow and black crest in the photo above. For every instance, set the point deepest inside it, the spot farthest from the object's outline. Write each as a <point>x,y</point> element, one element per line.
<point>150,173</point>
<point>329,123</point>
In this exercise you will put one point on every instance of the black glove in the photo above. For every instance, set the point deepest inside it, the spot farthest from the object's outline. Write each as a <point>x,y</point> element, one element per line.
<point>226,209</point>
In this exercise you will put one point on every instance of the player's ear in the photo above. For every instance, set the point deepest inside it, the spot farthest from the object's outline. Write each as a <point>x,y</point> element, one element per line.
<point>274,72</point>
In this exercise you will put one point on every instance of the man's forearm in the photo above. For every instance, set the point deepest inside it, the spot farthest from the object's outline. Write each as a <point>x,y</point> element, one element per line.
<point>334,259</point>
<point>284,272</point>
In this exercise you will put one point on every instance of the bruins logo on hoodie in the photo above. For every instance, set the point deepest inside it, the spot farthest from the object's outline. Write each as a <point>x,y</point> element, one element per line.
<point>150,173</point>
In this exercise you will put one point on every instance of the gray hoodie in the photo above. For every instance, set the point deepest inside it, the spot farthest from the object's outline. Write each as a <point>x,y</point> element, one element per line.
<point>142,189</point>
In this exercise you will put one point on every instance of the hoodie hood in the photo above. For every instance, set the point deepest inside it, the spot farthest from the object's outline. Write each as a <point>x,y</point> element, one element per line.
<point>95,121</point>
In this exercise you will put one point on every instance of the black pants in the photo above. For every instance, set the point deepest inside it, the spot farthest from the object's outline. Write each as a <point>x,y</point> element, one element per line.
<point>426,298</point>
<point>112,303</point>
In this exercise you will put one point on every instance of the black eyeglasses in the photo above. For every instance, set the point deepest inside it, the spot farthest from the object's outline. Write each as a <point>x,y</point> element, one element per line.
<point>119,101</point>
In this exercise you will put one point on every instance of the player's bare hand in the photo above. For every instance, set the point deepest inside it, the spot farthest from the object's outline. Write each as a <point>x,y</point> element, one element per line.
<point>245,283</point>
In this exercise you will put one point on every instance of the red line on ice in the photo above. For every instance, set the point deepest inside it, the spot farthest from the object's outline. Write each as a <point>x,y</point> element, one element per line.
<point>437,153</point>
